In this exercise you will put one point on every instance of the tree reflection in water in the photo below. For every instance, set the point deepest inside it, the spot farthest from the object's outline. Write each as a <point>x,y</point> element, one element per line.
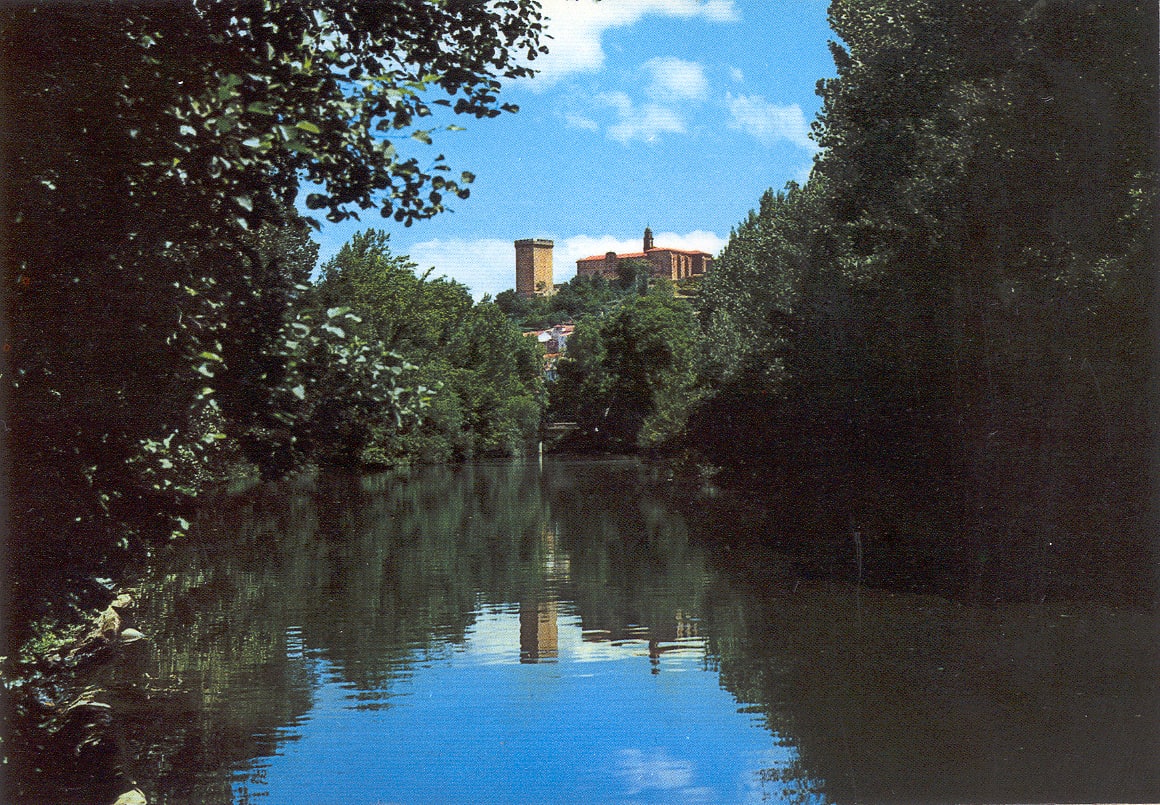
<point>370,584</point>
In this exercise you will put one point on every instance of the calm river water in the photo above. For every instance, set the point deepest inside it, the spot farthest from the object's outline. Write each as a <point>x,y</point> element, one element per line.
<point>528,633</point>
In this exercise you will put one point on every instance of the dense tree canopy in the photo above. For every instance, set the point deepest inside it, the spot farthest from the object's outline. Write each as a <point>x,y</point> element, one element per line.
<point>145,146</point>
<point>479,379</point>
<point>963,286</point>
<point>581,296</point>
<point>630,377</point>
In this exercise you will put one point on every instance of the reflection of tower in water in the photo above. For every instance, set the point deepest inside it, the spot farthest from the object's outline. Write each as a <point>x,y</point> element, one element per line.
<point>539,637</point>
<point>539,633</point>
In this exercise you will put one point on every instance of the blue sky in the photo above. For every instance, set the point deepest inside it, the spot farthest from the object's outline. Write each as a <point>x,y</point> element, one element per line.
<point>676,114</point>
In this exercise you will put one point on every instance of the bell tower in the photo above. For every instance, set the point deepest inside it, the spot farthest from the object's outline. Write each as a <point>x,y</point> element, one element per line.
<point>648,238</point>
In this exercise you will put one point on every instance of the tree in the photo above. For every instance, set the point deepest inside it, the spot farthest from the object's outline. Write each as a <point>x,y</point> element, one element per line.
<point>652,345</point>
<point>630,379</point>
<point>143,146</point>
<point>500,381</point>
<point>405,311</point>
<point>632,275</point>
<point>962,288</point>
<point>581,388</point>
<point>481,376</point>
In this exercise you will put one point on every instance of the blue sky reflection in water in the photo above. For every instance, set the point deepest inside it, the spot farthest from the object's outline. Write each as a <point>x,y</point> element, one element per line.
<point>602,721</point>
<point>367,640</point>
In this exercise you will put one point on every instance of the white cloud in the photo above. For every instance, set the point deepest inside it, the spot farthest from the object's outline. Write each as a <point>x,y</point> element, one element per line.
<point>676,79</point>
<point>488,265</point>
<point>577,27</point>
<point>803,175</point>
<point>577,121</point>
<point>768,122</point>
<point>671,85</point>
<point>643,122</point>
<point>656,771</point>
<point>569,250</point>
<point>719,11</point>
<point>736,74</point>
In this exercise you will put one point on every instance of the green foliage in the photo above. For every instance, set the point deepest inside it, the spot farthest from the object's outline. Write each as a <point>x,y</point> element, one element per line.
<point>749,304</point>
<point>404,311</point>
<point>582,383</point>
<point>580,296</point>
<point>337,392</point>
<point>481,377</point>
<point>963,286</point>
<point>632,276</point>
<point>631,378</point>
<point>982,197</point>
<point>584,296</point>
<point>145,148</point>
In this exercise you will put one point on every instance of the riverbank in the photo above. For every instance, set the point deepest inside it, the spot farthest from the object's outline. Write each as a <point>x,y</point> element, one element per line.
<point>64,724</point>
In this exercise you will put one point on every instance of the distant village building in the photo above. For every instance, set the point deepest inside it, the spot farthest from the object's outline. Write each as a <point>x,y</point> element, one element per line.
<point>534,267</point>
<point>555,341</point>
<point>534,264</point>
<point>671,264</point>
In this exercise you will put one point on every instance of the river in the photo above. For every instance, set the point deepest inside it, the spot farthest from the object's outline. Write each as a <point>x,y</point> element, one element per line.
<point>564,631</point>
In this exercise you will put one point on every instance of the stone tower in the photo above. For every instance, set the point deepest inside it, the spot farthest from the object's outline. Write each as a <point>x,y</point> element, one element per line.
<point>534,267</point>
<point>648,238</point>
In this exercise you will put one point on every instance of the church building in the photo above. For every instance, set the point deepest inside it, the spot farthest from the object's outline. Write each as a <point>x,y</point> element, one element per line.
<point>671,264</point>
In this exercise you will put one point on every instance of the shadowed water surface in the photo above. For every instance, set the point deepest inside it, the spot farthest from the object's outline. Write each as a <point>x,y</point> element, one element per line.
<point>559,633</point>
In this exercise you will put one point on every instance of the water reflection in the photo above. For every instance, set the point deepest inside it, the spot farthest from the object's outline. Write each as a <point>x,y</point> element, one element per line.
<point>479,725</point>
<point>515,633</point>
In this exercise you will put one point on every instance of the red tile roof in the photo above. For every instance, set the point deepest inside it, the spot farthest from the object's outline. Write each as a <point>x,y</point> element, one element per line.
<point>634,255</point>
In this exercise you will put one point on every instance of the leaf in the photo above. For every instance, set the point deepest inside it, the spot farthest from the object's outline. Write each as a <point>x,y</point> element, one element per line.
<point>306,125</point>
<point>245,203</point>
<point>299,392</point>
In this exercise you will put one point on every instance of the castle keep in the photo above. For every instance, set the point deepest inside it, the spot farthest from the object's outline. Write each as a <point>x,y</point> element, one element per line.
<point>534,264</point>
<point>534,267</point>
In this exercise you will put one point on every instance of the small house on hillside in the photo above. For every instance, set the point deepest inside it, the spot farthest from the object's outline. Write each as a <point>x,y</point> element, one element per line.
<point>555,341</point>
